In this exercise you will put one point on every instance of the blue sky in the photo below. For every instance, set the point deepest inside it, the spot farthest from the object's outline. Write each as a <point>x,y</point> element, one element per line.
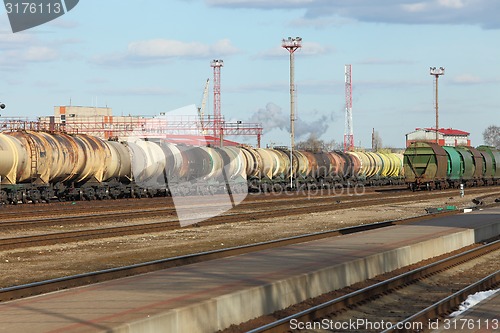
<point>143,57</point>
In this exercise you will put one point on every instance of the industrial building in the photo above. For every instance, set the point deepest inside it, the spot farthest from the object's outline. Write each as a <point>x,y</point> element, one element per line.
<point>446,136</point>
<point>188,129</point>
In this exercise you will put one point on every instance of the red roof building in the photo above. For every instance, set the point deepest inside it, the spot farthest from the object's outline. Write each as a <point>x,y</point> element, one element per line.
<point>446,136</point>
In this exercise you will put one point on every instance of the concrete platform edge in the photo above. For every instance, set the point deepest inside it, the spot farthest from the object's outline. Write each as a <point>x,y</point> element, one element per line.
<point>223,311</point>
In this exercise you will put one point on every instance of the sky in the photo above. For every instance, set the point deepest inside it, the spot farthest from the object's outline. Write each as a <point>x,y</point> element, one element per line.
<point>145,57</point>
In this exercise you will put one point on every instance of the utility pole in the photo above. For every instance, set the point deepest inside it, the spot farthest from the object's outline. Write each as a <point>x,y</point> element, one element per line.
<point>292,45</point>
<point>436,72</point>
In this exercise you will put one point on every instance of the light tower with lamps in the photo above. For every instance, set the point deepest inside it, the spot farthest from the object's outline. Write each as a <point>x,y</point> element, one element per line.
<point>436,72</point>
<point>292,45</point>
<point>217,64</point>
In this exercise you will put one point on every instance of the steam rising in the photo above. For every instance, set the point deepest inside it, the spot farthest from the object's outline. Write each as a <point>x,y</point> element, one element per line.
<point>273,117</point>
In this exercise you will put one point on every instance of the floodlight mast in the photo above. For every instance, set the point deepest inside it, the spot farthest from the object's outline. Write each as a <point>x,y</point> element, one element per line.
<point>217,64</point>
<point>292,45</point>
<point>436,72</point>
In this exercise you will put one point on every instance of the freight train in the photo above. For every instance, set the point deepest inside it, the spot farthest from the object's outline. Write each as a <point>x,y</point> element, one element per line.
<point>42,166</point>
<point>430,166</point>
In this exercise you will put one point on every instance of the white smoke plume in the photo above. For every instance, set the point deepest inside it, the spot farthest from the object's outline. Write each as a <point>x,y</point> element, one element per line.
<point>273,117</point>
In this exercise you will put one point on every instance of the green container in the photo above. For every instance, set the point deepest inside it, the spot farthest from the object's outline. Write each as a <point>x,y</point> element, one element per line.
<point>468,163</point>
<point>495,159</point>
<point>425,162</point>
<point>455,164</point>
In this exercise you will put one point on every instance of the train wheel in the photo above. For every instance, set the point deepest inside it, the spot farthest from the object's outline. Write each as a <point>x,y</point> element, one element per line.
<point>46,195</point>
<point>4,198</point>
<point>35,196</point>
<point>23,197</point>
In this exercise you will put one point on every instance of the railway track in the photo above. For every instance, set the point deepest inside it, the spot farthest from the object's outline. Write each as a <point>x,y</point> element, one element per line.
<point>340,309</point>
<point>248,211</point>
<point>83,207</point>
<point>31,289</point>
<point>159,208</point>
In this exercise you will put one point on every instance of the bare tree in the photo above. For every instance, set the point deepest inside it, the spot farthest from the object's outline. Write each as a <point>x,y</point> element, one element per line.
<point>312,143</point>
<point>333,145</point>
<point>491,136</point>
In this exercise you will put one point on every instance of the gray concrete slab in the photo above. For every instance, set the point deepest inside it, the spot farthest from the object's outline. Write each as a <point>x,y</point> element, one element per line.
<point>208,296</point>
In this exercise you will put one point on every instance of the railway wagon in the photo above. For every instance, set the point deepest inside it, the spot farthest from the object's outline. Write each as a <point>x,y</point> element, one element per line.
<point>430,166</point>
<point>40,166</point>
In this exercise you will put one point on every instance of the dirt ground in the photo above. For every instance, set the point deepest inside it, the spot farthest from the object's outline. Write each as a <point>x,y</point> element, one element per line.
<point>22,266</point>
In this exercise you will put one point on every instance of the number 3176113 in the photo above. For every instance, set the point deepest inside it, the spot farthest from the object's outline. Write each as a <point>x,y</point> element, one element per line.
<point>33,8</point>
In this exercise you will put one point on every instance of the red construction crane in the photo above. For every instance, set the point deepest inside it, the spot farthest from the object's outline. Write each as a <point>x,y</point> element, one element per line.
<point>348,131</point>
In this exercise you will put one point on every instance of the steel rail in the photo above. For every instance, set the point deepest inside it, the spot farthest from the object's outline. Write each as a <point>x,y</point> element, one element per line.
<point>446,304</point>
<point>337,304</point>
<point>96,233</point>
<point>31,289</point>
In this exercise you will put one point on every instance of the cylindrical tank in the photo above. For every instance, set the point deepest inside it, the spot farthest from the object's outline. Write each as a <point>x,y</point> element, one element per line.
<point>119,164</point>
<point>253,162</point>
<point>302,168</point>
<point>387,166</point>
<point>50,157</point>
<point>395,164</point>
<point>336,163</point>
<point>269,162</point>
<point>93,157</point>
<point>234,162</point>
<point>148,163</point>
<point>377,164</point>
<point>323,165</point>
<point>283,163</point>
<point>354,165</point>
<point>401,172</point>
<point>216,163</point>
<point>364,163</point>
<point>313,164</point>
<point>196,163</point>
<point>173,160</point>
<point>13,159</point>
<point>284,160</point>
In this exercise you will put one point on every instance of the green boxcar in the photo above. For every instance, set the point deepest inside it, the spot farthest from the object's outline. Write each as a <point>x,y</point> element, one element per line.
<point>488,165</point>
<point>469,166</point>
<point>495,159</point>
<point>425,164</point>
<point>455,164</point>
<point>479,166</point>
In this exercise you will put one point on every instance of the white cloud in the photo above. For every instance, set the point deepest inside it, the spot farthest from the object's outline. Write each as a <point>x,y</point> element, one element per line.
<point>467,79</point>
<point>453,12</point>
<point>415,7</point>
<point>161,50</point>
<point>39,54</point>
<point>135,91</point>
<point>451,3</point>
<point>167,48</point>
<point>17,58</point>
